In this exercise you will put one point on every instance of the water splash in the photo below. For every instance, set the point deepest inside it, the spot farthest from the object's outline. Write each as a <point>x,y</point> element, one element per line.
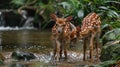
<point>72,57</point>
<point>29,22</point>
<point>2,28</point>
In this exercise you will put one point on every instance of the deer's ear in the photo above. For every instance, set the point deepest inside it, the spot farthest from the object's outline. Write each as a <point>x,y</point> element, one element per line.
<point>78,28</point>
<point>69,18</point>
<point>53,16</point>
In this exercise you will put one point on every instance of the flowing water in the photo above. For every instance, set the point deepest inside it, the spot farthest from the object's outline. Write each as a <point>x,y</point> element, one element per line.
<point>38,43</point>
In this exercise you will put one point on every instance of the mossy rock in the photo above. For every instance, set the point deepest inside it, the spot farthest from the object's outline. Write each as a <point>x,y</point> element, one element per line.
<point>110,52</point>
<point>112,35</point>
<point>20,55</point>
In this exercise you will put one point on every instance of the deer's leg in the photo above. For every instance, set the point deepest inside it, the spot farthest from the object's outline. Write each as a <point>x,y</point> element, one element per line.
<point>54,48</point>
<point>65,49</point>
<point>84,48</point>
<point>57,50</point>
<point>91,46</point>
<point>54,52</point>
<point>65,52</point>
<point>61,48</point>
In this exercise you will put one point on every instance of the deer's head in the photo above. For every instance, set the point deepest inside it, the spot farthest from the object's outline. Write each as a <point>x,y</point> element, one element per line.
<point>61,23</point>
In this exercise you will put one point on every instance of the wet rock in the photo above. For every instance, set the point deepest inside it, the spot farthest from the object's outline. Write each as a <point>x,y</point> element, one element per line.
<point>112,35</point>
<point>11,18</point>
<point>110,52</point>
<point>19,55</point>
<point>1,58</point>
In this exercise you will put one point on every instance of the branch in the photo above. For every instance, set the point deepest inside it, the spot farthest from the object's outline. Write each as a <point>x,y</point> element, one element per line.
<point>27,5</point>
<point>31,3</point>
<point>116,42</point>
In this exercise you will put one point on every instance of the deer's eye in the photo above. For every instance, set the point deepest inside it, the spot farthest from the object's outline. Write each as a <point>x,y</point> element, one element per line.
<point>63,25</point>
<point>56,24</point>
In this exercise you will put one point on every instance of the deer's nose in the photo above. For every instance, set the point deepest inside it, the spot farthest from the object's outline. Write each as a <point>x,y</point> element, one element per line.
<point>58,31</point>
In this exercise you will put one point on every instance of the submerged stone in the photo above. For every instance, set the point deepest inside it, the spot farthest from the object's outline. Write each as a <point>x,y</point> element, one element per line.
<point>19,55</point>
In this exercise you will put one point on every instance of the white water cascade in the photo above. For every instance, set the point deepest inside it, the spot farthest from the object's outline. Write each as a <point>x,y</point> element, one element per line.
<point>27,25</point>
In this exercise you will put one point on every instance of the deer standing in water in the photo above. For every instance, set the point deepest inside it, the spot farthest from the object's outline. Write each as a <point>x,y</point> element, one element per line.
<point>62,33</point>
<point>90,33</point>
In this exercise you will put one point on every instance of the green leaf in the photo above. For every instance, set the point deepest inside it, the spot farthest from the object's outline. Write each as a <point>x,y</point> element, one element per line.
<point>105,64</point>
<point>112,13</point>
<point>117,2</point>
<point>103,7</point>
<point>18,2</point>
<point>65,5</point>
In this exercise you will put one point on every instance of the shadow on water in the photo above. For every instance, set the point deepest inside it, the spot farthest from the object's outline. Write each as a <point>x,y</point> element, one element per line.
<point>39,44</point>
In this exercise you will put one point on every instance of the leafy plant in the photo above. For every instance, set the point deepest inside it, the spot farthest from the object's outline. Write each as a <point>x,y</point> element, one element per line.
<point>107,9</point>
<point>80,8</point>
<point>105,64</point>
<point>17,3</point>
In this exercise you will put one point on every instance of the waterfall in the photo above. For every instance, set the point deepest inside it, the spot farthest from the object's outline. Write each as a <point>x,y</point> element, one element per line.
<point>10,20</point>
<point>0,42</point>
<point>29,22</point>
<point>28,19</point>
<point>2,21</point>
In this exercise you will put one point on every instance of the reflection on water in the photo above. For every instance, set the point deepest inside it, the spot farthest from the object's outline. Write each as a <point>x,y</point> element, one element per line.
<point>25,39</point>
<point>38,43</point>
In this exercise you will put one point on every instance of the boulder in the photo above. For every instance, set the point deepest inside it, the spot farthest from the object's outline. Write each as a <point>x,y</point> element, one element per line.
<point>112,35</point>
<point>19,55</point>
<point>11,18</point>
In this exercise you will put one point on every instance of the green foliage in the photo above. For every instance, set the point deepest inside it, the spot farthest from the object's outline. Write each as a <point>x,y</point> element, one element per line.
<point>115,24</point>
<point>110,52</point>
<point>80,8</point>
<point>105,64</point>
<point>112,35</point>
<point>43,8</point>
<point>111,46</point>
<point>18,3</point>
<point>1,61</point>
<point>107,9</point>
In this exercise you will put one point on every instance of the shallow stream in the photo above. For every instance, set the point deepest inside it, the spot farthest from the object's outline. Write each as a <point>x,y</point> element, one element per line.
<point>38,43</point>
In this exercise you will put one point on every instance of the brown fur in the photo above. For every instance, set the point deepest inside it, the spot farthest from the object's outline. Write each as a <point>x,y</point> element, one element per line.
<point>90,32</point>
<point>61,36</point>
